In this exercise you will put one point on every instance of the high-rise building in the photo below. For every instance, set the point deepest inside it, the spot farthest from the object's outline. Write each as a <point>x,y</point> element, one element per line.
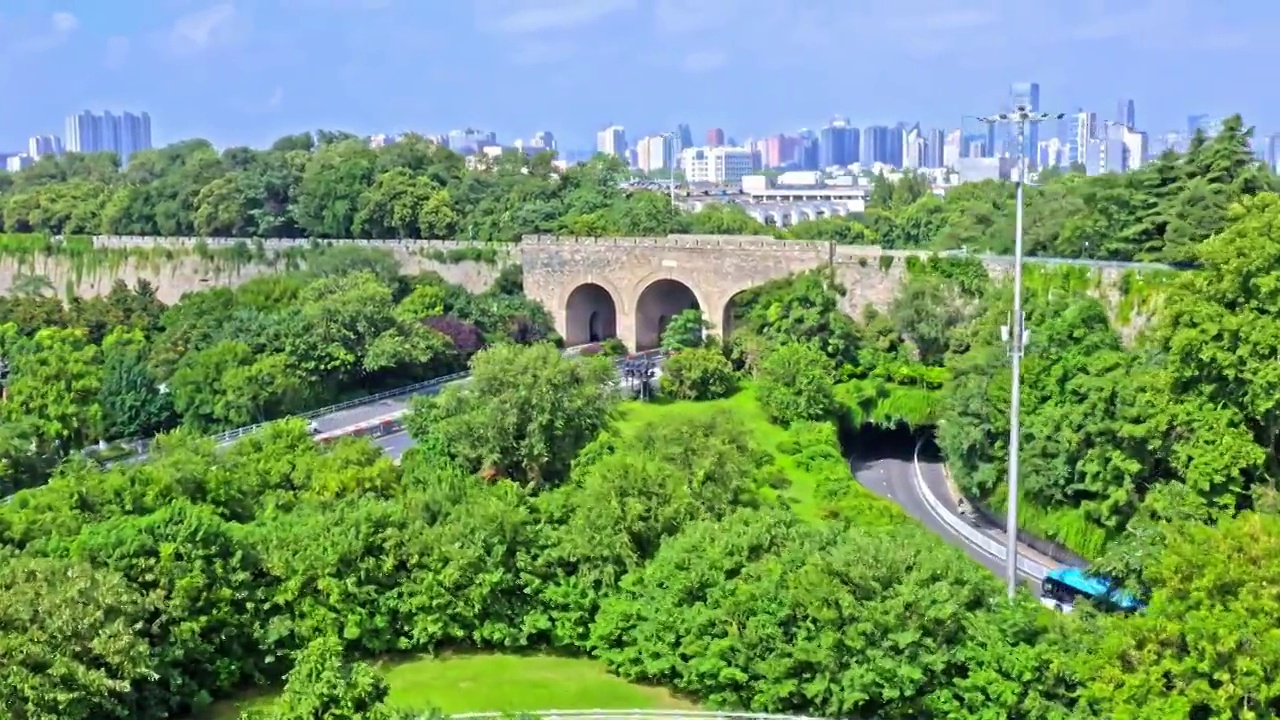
<point>544,139</point>
<point>807,151</point>
<point>84,133</point>
<point>715,137</point>
<point>1126,113</point>
<point>1273,151</point>
<point>1082,129</point>
<point>877,146</point>
<point>684,135</point>
<point>612,141</point>
<point>952,148</point>
<point>1027,95</point>
<point>655,152</point>
<point>124,134</point>
<point>913,150</point>
<point>934,143</point>
<point>1208,124</point>
<point>41,145</point>
<point>719,165</point>
<point>838,144</point>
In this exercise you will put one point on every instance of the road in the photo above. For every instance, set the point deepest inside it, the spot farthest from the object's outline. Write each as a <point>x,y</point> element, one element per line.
<point>891,475</point>
<point>885,468</point>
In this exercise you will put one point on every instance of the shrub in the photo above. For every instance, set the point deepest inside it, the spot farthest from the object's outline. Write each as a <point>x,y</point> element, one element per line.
<point>698,374</point>
<point>795,383</point>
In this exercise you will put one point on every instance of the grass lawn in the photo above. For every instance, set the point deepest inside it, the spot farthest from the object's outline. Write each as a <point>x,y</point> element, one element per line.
<point>801,493</point>
<point>498,683</point>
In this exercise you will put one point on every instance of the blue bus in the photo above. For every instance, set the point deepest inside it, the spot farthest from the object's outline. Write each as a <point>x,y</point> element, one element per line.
<point>1062,587</point>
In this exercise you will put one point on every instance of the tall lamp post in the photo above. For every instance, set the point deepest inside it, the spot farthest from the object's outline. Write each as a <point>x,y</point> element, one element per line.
<point>1020,117</point>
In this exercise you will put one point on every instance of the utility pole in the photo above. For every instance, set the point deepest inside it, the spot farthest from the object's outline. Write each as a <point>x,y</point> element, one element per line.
<point>1016,332</point>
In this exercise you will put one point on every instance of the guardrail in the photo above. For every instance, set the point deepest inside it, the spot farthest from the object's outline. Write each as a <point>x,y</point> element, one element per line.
<point>630,715</point>
<point>225,437</point>
<point>239,432</point>
<point>974,537</point>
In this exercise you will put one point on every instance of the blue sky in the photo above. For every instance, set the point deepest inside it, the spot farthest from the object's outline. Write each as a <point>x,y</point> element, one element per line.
<point>247,71</point>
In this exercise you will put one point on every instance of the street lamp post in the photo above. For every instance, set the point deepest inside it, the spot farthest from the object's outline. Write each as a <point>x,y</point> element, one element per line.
<point>1020,117</point>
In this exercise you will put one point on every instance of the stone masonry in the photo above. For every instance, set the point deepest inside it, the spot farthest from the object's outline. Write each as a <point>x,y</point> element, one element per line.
<point>187,272</point>
<point>714,269</point>
<point>627,286</point>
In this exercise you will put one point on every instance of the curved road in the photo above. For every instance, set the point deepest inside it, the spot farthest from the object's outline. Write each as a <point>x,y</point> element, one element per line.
<point>890,477</point>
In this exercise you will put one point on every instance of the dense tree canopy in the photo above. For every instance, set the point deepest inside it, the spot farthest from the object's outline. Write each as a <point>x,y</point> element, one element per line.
<point>125,366</point>
<point>333,185</point>
<point>530,516</point>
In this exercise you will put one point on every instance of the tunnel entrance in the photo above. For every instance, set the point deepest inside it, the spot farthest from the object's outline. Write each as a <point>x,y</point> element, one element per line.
<point>658,303</point>
<point>590,315</point>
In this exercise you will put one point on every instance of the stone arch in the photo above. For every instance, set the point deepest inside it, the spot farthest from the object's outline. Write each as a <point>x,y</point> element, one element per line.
<point>590,314</point>
<point>726,321</point>
<point>658,302</point>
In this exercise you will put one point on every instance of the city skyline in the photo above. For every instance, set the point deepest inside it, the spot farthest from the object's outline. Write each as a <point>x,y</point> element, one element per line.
<point>241,73</point>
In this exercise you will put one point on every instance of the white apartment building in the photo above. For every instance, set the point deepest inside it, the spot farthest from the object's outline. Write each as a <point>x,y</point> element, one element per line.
<point>951,148</point>
<point>656,152</point>
<point>41,145</point>
<point>16,163</point>
<point>123,134</point>
<point>722,165</point>
<point>612,141</point>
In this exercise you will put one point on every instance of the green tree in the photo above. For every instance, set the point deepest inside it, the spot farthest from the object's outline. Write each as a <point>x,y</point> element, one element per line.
<point>686,329</point>
<point>55,380</point>
<point>524,413</point>
<point>698,374</point>
<point>794,383</point>
<point>71,642</point>
<point>322,684</point>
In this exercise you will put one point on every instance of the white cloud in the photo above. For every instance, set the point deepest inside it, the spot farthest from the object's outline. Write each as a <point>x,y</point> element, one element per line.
<point>213,26</point>
<point>276,99</point>
<point>520,17</point>
<point>117,51</point>
<point>60,26</point>
<point>64,23</point>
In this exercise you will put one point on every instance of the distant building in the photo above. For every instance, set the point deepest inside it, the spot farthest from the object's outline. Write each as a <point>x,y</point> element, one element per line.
<point>41,145</point>
<point>612,141</point>
<point>723,165</point>
<point>715,137</point>
<point>952,148</point>
<point>124,135</point>
<point>1126,114</point>
<point>838,144</point>
<point>656,152</point>
<point>1027,94</point>
<point>977,169</point>
<point>21,161</point>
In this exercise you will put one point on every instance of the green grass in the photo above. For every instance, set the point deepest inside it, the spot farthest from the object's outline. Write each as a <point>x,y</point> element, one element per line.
<point>802,494</point>
<point>496,683</point>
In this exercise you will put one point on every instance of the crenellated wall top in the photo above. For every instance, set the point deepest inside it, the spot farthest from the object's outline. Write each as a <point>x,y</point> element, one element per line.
<point>691,242</point>
<point>117,241</point>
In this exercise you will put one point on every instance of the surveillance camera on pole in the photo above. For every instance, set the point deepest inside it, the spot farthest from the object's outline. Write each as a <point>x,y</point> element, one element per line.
<point>1021,116</point>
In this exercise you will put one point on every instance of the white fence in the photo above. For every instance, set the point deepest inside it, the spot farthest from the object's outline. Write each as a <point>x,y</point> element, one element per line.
<point>971,535</point>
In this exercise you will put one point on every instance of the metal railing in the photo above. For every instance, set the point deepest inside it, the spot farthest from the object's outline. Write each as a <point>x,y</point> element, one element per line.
<point>971,535</point>
<point>630,715</point>
<point>416,388</point>
<point>420,388</point>
<point>402,391</point>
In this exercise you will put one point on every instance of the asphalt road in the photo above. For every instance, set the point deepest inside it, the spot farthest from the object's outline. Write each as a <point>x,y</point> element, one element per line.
<point>885,468</point>
<point>888,473</point>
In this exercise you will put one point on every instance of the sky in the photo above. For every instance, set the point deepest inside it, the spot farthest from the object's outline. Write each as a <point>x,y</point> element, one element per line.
<point>243,72</point>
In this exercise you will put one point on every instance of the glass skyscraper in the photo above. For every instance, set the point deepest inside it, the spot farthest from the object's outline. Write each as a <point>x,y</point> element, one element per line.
<point>1027,95</point>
